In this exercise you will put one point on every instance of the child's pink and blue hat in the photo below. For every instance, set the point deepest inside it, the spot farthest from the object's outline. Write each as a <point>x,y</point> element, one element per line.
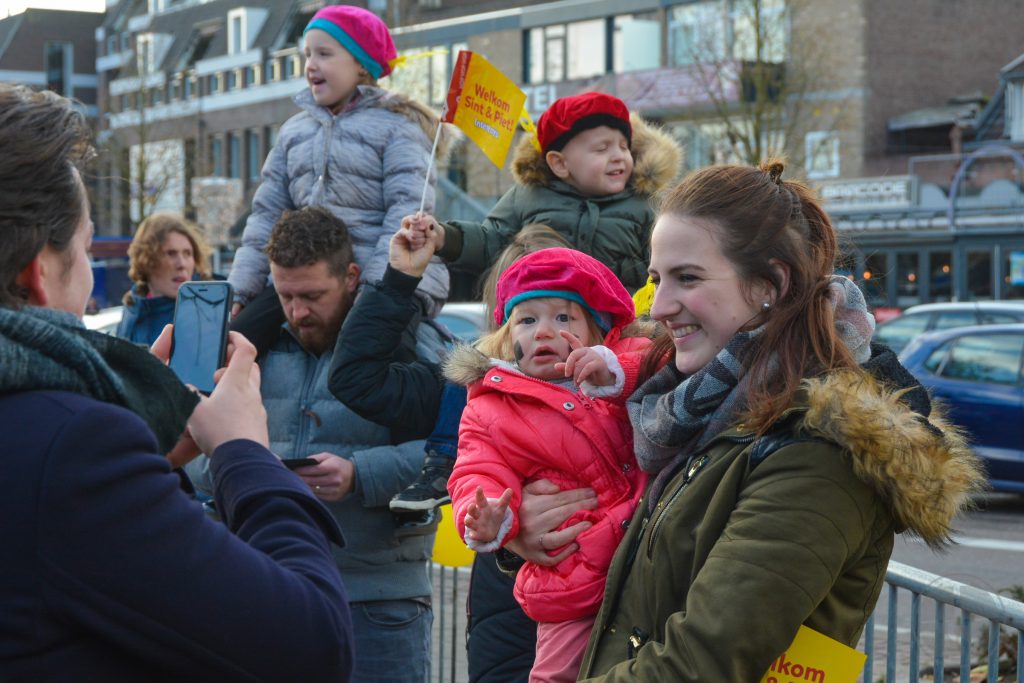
<point>361,32</point>
<point>566,274</point>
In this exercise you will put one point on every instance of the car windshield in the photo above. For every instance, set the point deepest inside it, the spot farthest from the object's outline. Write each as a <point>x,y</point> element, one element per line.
<point>900,330</point>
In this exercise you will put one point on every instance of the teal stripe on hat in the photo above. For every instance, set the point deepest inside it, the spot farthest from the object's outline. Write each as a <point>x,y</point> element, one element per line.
<point>347,42</point>
<point>601,319</point>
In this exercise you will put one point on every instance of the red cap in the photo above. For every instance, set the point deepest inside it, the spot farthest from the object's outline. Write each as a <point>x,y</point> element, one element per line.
<point>567,274</point>
<point>569,116</point>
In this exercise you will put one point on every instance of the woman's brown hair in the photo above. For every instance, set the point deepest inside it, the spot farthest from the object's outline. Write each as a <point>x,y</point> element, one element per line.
<point>760,221</point>
<point>45,143</point>
<point>147,247</point>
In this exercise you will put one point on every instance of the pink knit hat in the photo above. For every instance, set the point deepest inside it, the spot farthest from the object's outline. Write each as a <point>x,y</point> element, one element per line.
<point>567,274</point>
<point>361,32</point>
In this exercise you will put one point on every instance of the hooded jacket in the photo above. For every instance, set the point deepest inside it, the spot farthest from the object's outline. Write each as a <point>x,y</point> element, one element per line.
<point>755,536</point>
<point>614,229</point>
<point>517,429</point>
<point>366,164</point>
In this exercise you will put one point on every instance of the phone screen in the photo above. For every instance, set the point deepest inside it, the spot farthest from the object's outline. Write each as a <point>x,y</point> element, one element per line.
<point>200,332</point>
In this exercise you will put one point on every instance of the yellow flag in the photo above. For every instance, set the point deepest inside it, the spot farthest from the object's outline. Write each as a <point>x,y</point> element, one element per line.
<point>816,658</point>
<point>449,550</point>
<point>485,104</point>
<point>643,299</point>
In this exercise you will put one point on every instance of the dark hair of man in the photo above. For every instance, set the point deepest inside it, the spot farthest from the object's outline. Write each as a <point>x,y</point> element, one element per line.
<point>305,236</point>
<point>43,139</point>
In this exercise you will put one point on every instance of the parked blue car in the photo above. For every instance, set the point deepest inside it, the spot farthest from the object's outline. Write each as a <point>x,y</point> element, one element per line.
<point>976,371</point>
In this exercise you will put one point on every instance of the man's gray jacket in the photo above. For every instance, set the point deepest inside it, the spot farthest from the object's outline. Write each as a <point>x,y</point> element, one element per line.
<point>303,419</point>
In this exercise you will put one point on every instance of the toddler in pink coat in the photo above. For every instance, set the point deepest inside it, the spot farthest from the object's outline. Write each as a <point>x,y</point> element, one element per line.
<point>547,395</point>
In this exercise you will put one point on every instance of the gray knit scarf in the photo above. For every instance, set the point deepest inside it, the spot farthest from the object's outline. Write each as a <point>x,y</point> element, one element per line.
<point>674,416</point>
<point>43,349</point>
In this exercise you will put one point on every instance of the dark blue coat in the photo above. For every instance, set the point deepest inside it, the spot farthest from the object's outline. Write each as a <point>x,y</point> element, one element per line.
<point>110,572</point>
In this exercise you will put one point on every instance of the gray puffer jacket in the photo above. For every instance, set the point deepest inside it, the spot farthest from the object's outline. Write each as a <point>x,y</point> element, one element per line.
<point>366,164</point>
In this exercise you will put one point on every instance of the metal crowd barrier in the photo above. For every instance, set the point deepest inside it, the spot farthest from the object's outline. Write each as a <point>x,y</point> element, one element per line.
<point>902,643</point>
<point>998,611</point>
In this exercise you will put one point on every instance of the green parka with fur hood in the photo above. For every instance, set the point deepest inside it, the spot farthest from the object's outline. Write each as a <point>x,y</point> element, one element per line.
<point>756,536</point>
<point>614,229</point>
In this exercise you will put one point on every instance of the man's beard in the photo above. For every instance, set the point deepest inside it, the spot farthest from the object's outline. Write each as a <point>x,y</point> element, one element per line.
<point>321,335</point>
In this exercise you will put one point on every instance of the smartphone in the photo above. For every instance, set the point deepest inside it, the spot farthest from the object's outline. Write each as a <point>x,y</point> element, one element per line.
<point>299,462</point>
<point>201,317</point>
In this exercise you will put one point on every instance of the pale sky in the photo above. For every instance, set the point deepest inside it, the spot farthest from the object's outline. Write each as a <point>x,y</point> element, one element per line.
<point>9,7</point>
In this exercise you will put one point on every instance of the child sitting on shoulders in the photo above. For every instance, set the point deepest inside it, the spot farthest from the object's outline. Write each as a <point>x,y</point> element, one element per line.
<point>356,149</point>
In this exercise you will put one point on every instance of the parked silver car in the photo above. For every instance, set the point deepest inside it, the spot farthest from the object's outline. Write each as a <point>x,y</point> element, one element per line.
<point>897,332</point>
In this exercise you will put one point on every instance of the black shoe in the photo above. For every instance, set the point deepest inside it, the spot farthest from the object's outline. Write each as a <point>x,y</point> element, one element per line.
<point>418,523</point>
<point>430,488</point>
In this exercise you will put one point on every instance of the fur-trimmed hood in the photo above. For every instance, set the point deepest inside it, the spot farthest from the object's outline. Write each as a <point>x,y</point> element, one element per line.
<point>922,467</point>
<point>466,365</point>
<point>657,157</point>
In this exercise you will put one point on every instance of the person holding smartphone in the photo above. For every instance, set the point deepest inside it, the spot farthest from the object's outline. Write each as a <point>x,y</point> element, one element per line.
<point>111,572</point>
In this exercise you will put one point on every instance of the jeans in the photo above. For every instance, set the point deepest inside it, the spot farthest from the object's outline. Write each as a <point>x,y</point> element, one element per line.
<point>392,639</point>
<point>444,440</point>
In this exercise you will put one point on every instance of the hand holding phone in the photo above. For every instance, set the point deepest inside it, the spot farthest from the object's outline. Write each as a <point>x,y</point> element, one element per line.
<point>201,317</point>
<point>296,463</point>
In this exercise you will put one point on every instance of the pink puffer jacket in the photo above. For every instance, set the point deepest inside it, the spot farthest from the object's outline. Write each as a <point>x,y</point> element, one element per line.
<point>517,429</point>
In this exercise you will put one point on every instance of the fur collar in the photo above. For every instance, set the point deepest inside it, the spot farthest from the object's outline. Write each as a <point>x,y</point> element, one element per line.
<point>465,365</point>
<point>656,159</point>
<point>925,474</point>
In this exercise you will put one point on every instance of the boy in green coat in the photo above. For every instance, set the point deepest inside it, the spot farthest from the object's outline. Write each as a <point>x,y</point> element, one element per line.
<point>592,181</point>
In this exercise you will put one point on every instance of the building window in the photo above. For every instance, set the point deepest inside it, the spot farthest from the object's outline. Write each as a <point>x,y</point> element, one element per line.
<point>821,150</point>
<point>175,91</point>
<point>941,280</point>
<point>216,83</point>
<point>112,44</point>
<point>908,281</point>
<point>636,42</point>
<point>252,75</point>
<point>696,33</point>
<point>711,31</point>
<point>568,51</point>
<point>979,275</point>
<point>1014,112</point>
<point>771,22</point>
<point>875,280</point>
<point>235,37</point>
<point>234,155</point>
<point>271,133</point>
<point>232,81</point>
<point>156,96</point>
<point>1013,274</point>
<point>216,156</point>
<point>59,67</point>
<point>272,70</point>
<point>426,80</point>
<point>254,159</point>
<point>126,41</point>
<point>188,87</point>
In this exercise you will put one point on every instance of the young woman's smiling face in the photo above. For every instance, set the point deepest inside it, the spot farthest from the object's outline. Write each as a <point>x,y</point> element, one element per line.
<point>331,70</point>
<point>699,295</point>
<point>535,326</point>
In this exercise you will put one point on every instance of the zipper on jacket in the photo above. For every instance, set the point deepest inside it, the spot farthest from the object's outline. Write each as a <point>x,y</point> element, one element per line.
<point>695,467</point>
<point>635,641</point>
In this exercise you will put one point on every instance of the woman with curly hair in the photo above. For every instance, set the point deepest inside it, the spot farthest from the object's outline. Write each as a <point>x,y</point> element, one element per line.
<point>166,251</point>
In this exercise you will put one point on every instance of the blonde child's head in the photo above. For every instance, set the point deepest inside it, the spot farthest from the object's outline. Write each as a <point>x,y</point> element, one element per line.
<point>548,292</point>
<point>586,143</point>
<point>345,47</point>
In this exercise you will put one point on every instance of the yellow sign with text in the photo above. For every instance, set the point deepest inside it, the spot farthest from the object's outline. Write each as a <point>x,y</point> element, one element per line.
<point>817,658</point>
<point>485,104</point>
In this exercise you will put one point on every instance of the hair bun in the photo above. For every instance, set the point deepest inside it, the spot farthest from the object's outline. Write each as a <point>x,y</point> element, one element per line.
<point>774,169</point>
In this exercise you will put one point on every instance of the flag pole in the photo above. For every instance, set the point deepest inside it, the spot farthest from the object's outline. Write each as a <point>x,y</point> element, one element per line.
<point>430,166</point>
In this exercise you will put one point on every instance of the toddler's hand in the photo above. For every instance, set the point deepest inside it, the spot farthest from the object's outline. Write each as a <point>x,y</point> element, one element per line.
<point>584,363</point>
<point>425,231</point>
<point>403,255</point>
<point>485,515</point>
